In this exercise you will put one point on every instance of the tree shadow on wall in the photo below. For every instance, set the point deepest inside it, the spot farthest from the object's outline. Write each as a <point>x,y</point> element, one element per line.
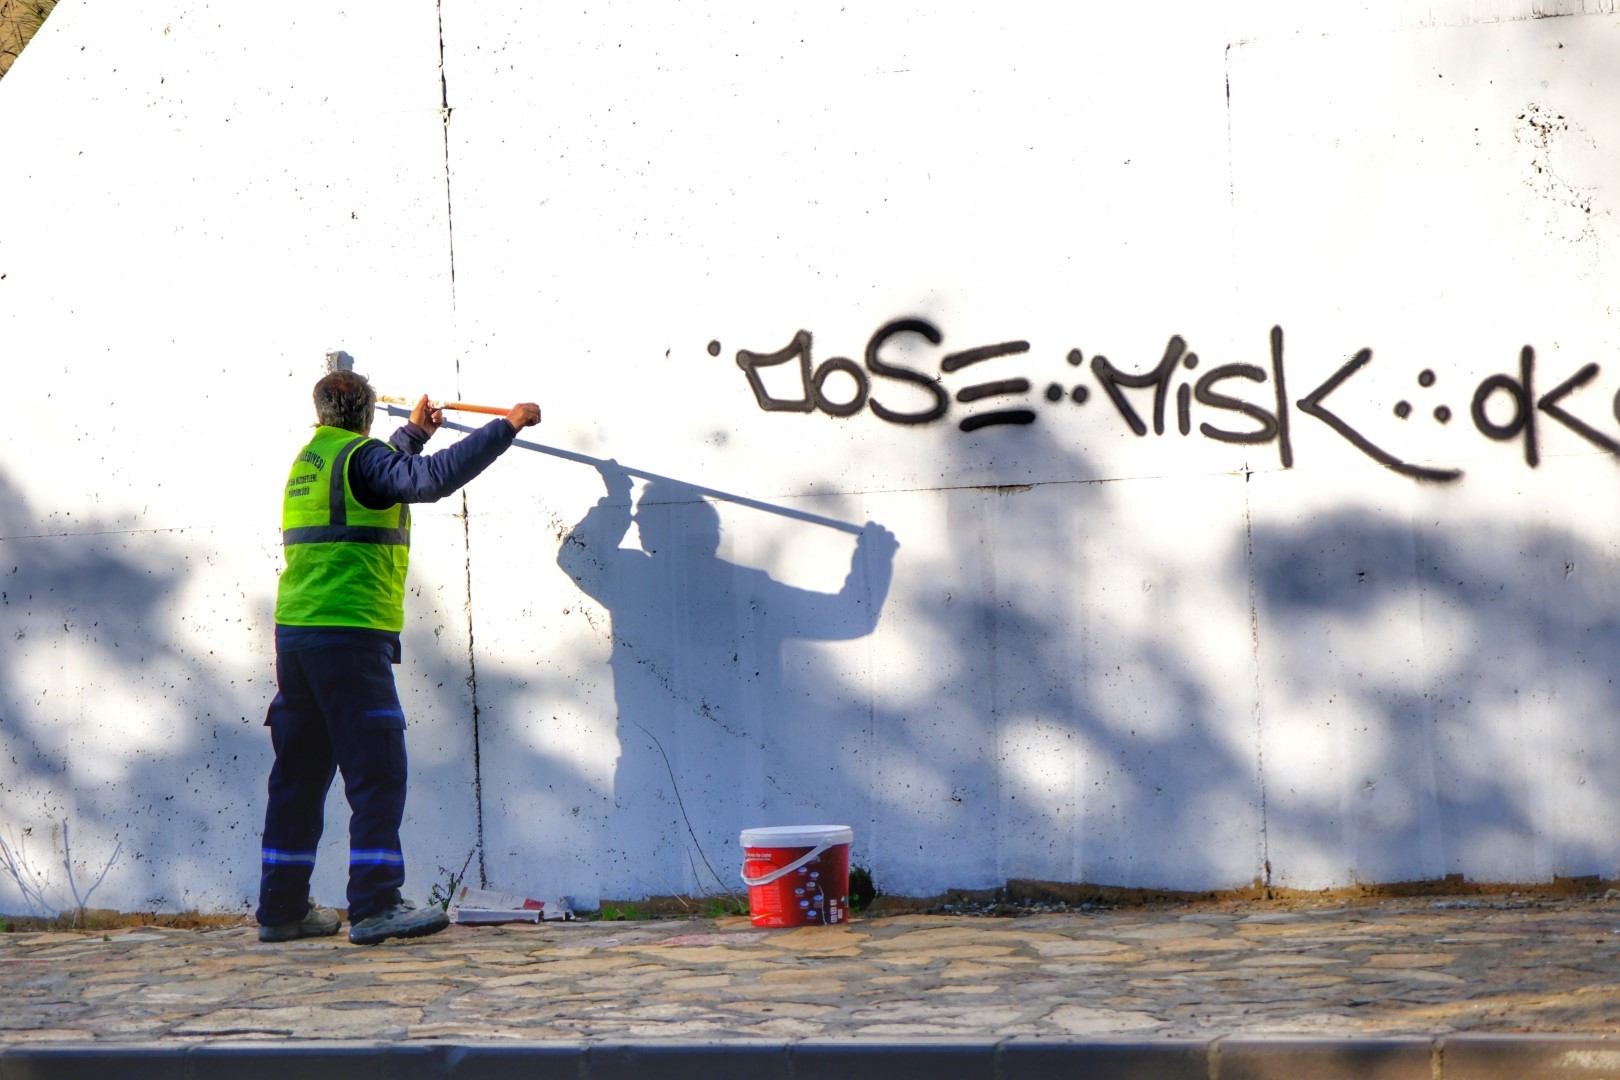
<point>697,661</point>
<point>1482,735</point>
<point>1064,733</point>
<point>106,720</point>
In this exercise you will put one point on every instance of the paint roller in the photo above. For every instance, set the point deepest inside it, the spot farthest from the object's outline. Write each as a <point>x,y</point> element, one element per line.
<point>339,360</point>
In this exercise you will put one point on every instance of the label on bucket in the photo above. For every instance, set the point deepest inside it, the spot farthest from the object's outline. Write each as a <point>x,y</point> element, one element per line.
<point>797,876</point>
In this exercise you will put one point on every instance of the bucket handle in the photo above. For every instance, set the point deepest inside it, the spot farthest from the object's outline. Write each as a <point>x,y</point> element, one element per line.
<point>776,875</point>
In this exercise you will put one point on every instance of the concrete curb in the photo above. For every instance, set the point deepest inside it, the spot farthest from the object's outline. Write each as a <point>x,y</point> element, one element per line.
<point>1471,1057</point>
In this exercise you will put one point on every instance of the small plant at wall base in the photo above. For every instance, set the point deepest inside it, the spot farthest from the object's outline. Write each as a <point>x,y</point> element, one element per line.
<point>20,20</point>
<point>719,907</point>
<point>443,892</point>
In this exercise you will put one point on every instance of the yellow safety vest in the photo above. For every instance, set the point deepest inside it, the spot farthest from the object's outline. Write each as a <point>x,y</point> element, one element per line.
<point>345,562</point>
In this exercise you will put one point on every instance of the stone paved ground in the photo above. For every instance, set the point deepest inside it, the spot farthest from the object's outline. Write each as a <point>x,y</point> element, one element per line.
<point>1387,968</point>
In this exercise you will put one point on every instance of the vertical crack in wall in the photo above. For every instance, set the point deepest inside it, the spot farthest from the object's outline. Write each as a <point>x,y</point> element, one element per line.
<point>989,513</point>
<point>1254,647</point>
<point>466,511</point>
<point>1248,529</point>
<point>1231,181</point>
<point>449,203</point>
<point>472,689</point>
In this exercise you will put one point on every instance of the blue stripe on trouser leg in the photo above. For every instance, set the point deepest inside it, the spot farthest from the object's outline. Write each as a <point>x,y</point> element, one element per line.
<point>348,695</point>
<point>376,858</point>
<point>271,856</point>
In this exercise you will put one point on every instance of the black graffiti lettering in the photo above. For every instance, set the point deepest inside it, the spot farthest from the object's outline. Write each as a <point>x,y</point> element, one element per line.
<point>1521,411</point>
<point>1520,391</point>
<point>840,408</point>
<point>956,361</point>
<point>1204,391</point>
<point>1549,405</point>
<point>1285,435</point>
<point>1311,405</point>
<point>813,383</point>
<point>883,368</point>
<point>1209,390</point>
<point>1002,416</point>
<point>751,362</point>
<point>980,391</point>
<point>1108,374</point>
<point>995,388</point>
<point>1159,378</point>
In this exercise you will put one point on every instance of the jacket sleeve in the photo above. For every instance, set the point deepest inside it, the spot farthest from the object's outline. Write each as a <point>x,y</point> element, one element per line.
<point>381,477</point>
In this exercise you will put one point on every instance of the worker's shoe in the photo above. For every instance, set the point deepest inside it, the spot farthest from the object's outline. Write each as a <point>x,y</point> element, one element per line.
<point>320,922</point>
<point>404,919</point>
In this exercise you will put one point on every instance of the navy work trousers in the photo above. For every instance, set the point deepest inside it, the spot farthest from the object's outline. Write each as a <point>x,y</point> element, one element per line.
<point>336,709</point>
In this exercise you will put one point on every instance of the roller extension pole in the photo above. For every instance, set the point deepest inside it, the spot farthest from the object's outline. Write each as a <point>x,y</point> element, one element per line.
<point>393,406</point>
<point>458,406</point>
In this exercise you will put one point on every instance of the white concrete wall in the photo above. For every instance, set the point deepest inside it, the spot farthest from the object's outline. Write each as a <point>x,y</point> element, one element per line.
<point>1369,643</point>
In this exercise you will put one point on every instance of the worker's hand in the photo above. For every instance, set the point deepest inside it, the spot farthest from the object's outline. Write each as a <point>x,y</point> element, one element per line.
<point>426,417</point>
<point>525,414</point>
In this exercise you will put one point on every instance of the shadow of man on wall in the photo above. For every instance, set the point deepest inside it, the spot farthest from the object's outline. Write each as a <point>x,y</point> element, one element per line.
<point>709,731</point>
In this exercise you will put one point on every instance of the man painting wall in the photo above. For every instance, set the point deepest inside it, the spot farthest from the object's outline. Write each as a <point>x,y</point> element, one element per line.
<point>346,531</point>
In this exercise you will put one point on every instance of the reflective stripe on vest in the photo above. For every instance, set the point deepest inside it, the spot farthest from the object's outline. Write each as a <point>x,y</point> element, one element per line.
<point>346,563</point>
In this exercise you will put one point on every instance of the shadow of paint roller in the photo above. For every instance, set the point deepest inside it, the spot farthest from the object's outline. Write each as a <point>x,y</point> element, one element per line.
<point>393,405</point>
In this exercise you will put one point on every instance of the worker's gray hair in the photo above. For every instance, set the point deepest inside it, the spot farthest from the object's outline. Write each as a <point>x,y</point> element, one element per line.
<point>345,399</point>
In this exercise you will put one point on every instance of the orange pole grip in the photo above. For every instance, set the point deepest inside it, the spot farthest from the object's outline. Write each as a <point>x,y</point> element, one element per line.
<point>462,406</point>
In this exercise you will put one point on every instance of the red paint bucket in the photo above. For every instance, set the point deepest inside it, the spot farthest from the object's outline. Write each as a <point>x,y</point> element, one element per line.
<point>797,875</point>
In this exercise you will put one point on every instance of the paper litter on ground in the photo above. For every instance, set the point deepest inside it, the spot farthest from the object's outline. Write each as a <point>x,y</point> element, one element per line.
<point>487,906</point>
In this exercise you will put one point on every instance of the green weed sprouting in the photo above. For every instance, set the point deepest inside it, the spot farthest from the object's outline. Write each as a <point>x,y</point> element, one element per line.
<point>719,907</point>
<point>443,892</point>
